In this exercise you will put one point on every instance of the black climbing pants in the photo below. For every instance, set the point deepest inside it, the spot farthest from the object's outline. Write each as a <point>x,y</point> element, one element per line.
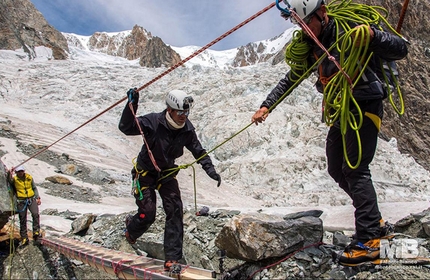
<point>357,183</point>
<point>174,226</point>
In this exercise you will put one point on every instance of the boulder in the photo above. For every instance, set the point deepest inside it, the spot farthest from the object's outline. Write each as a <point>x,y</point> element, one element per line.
<point>5,197</point>
<point>259,236</point>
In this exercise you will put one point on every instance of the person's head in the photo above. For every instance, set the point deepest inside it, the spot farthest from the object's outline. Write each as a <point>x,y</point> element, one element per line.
<point>179,105</point>
<point>20,171</point>
<point>312,12</point>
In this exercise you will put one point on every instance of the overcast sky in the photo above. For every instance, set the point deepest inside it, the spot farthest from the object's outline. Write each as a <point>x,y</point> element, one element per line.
<point>177,22</point>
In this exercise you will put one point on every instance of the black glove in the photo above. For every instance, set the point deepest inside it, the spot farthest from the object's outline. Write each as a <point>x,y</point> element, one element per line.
<point>216,177</point>
<point>133,95</point>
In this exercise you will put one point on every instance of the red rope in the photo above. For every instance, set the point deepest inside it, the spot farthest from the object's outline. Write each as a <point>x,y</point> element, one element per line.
<point>103,264</point>
<point>402,15</point>
<point>309,32</point>
<point>159,76</point>
<point>207,46</point>
<point>151,156</point>
<point>117,267</point>
<point>285,258</point>
<point>94,261</point>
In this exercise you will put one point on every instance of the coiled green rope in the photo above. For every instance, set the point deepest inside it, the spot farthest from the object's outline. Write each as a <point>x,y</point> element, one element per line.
<point>338,92</point>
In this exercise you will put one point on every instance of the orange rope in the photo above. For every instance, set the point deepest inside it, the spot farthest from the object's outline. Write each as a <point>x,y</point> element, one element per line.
<point>151,156</point>
<point>207,46</point>
<point>285,258</point>
<point>309,32</point>
<point>402,15</point>
<point>159,76</point>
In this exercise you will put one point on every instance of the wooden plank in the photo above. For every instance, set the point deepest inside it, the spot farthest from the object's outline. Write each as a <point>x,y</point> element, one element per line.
<point>123,265</point>
<point>8,230</point>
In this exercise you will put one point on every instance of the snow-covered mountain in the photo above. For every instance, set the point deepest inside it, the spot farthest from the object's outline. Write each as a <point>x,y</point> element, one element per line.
<point>118,44</point>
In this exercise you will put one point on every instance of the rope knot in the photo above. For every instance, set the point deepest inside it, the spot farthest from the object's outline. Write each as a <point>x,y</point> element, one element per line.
<point>184,166</point>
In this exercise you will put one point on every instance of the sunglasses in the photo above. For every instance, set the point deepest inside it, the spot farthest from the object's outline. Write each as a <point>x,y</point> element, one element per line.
<point>183,112</point>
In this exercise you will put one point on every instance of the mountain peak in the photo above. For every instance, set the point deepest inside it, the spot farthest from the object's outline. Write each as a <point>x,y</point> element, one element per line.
<point>23,26</point>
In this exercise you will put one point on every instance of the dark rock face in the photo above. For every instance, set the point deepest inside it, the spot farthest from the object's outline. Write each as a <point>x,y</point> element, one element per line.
<point>157,54</point>
<point>22,26</point>
<point>251,54</point>
<point>134,45</point>
<point>139,44</point>
<point>6,209</point>
<point>411,130</point>
<point>131,46</point>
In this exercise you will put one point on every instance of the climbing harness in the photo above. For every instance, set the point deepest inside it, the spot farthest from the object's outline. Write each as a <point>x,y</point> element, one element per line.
<point>135,184</point>
<point>338,89</point>
<point>26,204</point>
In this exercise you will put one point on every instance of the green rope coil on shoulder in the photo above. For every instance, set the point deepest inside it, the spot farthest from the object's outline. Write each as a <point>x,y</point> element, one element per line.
<point>338,92</point>
<point>343,11</point>
<point>296,55</point>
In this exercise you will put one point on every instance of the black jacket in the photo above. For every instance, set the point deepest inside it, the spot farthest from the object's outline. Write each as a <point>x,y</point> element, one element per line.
<point>384,45</point>
<point>165,144</point>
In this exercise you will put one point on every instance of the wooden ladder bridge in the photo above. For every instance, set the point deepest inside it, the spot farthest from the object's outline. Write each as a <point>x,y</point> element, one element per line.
<point>123,265</point>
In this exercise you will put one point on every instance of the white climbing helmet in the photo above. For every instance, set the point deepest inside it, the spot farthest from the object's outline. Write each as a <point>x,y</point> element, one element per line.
<point>304,8</point>
<point>179,100</point>
<point>20,168</point>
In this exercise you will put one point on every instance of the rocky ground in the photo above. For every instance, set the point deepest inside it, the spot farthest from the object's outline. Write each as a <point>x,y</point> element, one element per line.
<point>38,262</point>
<point>85,174</point>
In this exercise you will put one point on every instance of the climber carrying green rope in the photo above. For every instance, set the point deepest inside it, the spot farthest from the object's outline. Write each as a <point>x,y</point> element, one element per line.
<point>165,135</point>
<point>346,46</point>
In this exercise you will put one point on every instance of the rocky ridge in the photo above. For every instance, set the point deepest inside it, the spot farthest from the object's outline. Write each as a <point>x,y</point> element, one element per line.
<point>23,26</point>
<point>411,130</point>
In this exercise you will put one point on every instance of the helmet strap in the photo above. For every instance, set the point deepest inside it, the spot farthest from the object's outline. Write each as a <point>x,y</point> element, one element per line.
<point>321,20</point>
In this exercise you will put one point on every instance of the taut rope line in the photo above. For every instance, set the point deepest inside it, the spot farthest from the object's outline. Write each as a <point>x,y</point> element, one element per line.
<point>159,76</point>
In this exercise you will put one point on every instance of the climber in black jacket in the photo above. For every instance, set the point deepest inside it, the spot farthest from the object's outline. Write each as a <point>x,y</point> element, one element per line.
<point>166,134</point>
<point>365,103</point>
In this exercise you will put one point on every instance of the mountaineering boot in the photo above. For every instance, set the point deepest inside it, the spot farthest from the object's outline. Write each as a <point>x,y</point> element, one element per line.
<point>130,239</point>
<point>24,242</point>
<point>173,267</point>
<point>357,253</point>
<point>36,235</point>
<point>387,229</point>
